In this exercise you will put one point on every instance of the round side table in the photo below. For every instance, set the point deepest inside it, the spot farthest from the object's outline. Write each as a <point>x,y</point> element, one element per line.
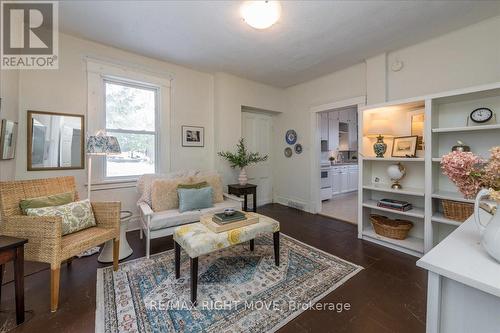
<point>106,255</point>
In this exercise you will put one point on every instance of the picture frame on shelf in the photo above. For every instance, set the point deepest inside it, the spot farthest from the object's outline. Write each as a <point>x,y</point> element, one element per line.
<point>404,146</point>
<point>193,136</point>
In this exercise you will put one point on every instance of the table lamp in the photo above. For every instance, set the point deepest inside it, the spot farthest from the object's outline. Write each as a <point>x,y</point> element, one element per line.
<point>100,144</point>
<point>379,128</point>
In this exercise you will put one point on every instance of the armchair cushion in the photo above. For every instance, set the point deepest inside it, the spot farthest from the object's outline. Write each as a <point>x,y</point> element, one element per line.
<point>47,201</point>
<point>76,216</point>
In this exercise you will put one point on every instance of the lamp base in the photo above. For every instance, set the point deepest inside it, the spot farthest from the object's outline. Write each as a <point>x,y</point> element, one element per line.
<point>380,147</point>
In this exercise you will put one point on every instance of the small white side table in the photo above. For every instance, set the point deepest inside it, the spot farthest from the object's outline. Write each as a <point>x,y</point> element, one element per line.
<point>106,255</point>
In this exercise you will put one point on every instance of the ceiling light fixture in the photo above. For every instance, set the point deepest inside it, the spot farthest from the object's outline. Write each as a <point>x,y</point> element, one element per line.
<point>261,14</point>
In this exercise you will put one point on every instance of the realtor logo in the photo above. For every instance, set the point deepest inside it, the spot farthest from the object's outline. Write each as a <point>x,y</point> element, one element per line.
<point>29,33</point>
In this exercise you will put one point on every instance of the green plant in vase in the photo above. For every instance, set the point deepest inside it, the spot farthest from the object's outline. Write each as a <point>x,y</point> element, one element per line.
<point>241,159</point>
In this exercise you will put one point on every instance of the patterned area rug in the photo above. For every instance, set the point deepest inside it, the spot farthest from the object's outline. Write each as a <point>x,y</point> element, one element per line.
<point>238,290</point>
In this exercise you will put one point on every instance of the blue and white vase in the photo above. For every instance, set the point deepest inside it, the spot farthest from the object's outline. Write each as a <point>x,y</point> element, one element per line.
<point>380,147</point>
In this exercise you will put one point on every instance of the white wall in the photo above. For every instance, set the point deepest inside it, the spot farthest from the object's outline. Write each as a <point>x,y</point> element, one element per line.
<point>9,92</point>
<point>463,58</point>
<point>231,93</point>
<point>65,90</point>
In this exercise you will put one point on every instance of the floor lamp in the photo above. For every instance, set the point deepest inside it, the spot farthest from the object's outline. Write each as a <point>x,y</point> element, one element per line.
<point>100,144</point>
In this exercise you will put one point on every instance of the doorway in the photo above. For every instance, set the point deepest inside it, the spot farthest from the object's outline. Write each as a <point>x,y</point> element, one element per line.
<point>257,129</point>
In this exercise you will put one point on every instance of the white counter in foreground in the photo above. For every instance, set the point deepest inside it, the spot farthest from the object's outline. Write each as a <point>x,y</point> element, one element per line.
<point>463,292</point>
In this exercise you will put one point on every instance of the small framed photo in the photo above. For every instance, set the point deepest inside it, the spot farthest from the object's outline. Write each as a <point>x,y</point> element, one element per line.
<point>404,146</point>
<point>193,136</point>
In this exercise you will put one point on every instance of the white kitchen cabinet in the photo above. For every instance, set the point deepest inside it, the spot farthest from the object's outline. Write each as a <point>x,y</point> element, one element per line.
<point>336,182</point>
<point>333,130</point>
<point>352,172</point>
<point>353,130</point>
<point>344,116</point>
<point>344,180</point>
<point>323,125</point>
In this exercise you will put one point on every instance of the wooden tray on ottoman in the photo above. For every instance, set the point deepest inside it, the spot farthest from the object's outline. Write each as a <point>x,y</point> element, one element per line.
<point>206,220</point>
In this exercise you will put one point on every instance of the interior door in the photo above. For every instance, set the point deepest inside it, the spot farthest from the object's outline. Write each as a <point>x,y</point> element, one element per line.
<point>257,130</point>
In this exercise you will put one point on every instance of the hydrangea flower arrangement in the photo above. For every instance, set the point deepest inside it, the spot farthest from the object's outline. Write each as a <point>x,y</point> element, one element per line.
<point>470,173</point>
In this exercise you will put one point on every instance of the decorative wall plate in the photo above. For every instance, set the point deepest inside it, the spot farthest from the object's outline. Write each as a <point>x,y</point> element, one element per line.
<point>291,136</point>
<point>288,152</point>
<point>298,148</point>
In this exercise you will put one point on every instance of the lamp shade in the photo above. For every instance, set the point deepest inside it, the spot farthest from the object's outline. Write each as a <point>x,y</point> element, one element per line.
<point>378,127</point>
<point>102,144</point>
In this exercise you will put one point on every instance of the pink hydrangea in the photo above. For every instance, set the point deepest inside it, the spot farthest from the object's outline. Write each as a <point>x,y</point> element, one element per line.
<point>459,166</point>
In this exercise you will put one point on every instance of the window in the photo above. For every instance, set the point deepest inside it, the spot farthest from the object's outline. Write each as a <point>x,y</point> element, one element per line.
<point>131,116</point>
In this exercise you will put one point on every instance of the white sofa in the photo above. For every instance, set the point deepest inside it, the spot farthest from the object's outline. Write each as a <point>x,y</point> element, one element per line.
<point>163,223</point>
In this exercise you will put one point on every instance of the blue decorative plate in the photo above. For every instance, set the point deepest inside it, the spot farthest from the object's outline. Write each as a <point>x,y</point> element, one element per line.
<point>298,148</point>
<point>291,136</point>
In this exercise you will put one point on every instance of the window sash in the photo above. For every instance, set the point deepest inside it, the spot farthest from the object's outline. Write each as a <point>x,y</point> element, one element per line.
<point>155,133</point>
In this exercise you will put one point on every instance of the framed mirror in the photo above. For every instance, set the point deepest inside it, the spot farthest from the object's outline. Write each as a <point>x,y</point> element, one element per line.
<point>55,141</point>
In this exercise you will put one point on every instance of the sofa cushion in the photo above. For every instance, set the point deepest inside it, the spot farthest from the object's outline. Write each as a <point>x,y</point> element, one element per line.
<point>195,185</point>
<point>164,193</point>
<point>76,216</point>
<point>195,198</point>
<point>215,181</point>
<point>172,217</point>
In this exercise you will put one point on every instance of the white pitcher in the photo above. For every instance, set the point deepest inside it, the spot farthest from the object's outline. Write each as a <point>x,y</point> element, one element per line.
<point>489,231</point>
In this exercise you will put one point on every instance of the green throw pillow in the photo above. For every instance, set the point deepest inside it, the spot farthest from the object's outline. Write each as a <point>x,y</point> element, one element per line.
<point>197,185</point>
<point>194,199</point>
<point>48,201</point>
<point>76,216</point>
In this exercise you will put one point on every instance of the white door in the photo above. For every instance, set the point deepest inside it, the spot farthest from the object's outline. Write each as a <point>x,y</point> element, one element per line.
<point>257,130</point>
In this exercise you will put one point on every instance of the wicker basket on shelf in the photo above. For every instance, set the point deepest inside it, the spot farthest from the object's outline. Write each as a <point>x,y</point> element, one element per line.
<point>456,210</point>
<point>396,229</point>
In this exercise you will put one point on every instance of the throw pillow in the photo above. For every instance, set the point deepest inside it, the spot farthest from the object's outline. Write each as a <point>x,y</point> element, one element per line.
<point>47,201</point>
<point>193,198</point>
<point>76,216</point>
<point>215,181</point>
<point>195,185</point>
<point>164,193</point>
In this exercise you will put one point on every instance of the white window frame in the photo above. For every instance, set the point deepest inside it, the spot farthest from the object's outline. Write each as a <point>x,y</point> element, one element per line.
<point>140,85</point>
<point>98,72</point>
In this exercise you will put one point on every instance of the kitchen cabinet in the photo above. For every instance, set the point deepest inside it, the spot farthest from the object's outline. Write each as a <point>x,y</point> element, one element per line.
<point>344,179</point>
<point>344,116</point>
<point>323,126</point>
<point>353,130</point>
<point>333,130</point>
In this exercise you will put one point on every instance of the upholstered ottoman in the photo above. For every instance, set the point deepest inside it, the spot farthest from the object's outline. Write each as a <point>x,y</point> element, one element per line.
<point>196,239</point>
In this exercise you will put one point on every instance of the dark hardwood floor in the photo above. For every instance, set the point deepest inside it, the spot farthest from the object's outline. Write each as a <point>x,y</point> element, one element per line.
<point>388,295</point>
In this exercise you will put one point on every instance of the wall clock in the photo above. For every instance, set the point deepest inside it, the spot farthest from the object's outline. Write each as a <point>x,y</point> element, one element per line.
<point>481,115</point>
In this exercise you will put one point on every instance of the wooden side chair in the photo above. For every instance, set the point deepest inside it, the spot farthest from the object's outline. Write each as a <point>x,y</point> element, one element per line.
<point>45,240</point>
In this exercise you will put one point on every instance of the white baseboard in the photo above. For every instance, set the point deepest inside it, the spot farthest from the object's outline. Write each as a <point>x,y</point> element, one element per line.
<point>285,201</point>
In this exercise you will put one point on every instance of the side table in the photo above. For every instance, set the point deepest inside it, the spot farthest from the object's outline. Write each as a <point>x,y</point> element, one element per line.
<point>245,190</point>
<point>12,249</point>
<point>106,255</point>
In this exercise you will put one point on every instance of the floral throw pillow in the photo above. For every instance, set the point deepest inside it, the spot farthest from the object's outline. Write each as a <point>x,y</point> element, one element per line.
<point>76,216</point>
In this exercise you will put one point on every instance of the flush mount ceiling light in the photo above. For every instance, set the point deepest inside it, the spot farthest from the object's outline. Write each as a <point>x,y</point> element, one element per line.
<point>261,14</point>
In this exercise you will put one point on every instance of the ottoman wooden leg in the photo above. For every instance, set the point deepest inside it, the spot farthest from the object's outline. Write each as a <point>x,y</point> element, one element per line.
<point>276,241</point>
<point>252,244</point>
<point>177,260</point>
<point>194,279</point>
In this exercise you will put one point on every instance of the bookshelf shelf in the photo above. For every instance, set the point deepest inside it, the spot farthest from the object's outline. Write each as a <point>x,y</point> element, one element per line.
<point>445,116</point>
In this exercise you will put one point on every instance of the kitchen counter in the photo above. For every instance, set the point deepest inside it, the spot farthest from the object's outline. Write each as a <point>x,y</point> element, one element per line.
<point>343,164</point>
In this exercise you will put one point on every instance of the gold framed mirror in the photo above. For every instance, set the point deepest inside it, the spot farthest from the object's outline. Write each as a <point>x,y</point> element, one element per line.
<point>55,141</point>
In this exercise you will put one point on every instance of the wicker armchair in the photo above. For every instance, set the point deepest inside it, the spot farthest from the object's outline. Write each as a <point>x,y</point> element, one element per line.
<point>45,243</point>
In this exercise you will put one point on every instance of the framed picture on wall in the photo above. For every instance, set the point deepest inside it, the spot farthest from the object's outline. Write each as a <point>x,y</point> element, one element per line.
<point>404,146</point>
<point>8,136</point>
<point>193,136</point>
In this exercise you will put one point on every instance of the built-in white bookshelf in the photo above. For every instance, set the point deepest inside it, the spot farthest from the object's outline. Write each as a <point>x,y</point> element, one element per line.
<point>424,185</point>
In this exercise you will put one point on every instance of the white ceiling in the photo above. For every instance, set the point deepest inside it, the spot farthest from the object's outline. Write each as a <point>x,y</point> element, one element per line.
<point>312,38</point>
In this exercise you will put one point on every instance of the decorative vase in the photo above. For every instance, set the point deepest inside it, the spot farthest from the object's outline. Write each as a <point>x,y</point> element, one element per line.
<point>242,178</point>
<point>489,231</point>
<point>380,146</point>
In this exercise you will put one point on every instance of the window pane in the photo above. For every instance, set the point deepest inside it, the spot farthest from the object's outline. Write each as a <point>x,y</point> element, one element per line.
<point>137,157</point>
<point>131,108</point>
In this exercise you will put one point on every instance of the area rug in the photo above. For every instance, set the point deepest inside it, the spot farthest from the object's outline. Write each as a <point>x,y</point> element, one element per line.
<point>238,290</point>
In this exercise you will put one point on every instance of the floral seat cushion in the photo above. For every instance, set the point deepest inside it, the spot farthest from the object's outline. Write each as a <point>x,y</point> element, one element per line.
<point>197,240</point>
